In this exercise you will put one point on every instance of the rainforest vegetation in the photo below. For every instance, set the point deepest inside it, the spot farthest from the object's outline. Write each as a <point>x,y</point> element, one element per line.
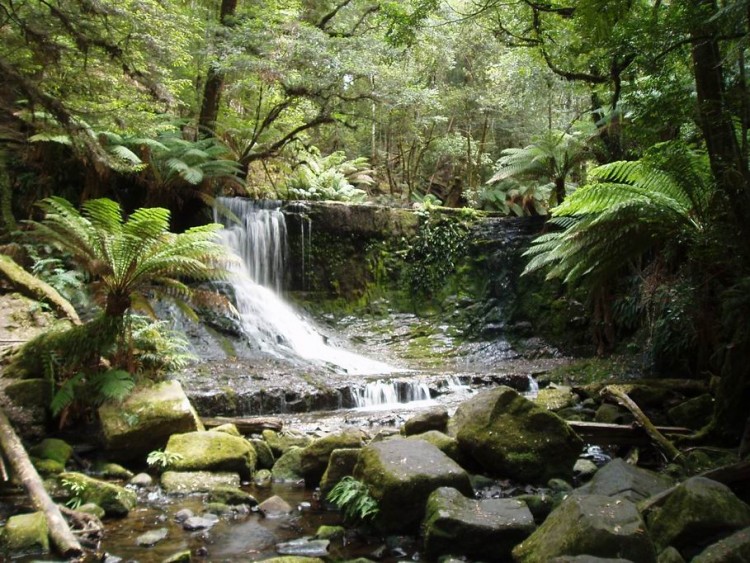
<point>625,122</point>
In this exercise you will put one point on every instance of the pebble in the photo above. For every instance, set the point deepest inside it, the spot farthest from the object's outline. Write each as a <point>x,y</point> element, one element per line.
<point>142,480</point>
<point>199,523</point>
<point>184,514</point>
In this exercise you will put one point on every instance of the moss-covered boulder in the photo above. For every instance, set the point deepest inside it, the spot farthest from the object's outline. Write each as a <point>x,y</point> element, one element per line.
<point>25,534</point>
<point>228,428</point>
<point>47,467</point>
<point>620,479</point>
<point>340,464</point>
<point>146,419</point>
<point>401,474</point>
<point>288,468</point>
<point>555,398</point>
<point>115,500</point>
<point>30,393</point>
<point>263,453</point>
<point>314,457</point>
<point>231,496</point>
<point>486,529</point>
<point>212,451</point>
<point>280,442</point>
<point>432,419</point>
<point>189,482</point>
<point>593,525</point>
<point>110,470</point>
<point>732,549</point>
<point>694,413</point>
<point>54,449</point>
<point>510,436</point>
<point>446,444</point>
<point>698,512</point>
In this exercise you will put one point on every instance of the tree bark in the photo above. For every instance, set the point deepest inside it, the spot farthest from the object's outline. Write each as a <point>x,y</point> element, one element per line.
<point>214,80</point>
<point>62,538</point>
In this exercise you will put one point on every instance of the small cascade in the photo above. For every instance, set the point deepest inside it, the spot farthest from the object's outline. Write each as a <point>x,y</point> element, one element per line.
<point>390,393</point>
<point>259,240</point>
<point>533,389</point>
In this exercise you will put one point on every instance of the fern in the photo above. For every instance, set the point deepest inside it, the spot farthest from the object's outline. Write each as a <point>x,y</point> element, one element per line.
<point>112,385</point>
<point>66,394</point>
<point>353,497</point>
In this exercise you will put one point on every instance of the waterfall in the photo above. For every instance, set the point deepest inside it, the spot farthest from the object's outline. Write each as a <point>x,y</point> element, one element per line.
<point>390,393</point>
<point>256,233</point>
<point>533,389</point>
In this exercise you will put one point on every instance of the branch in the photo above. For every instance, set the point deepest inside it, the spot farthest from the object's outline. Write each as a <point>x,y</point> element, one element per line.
<point>332,14</point>
<point>273,150</point>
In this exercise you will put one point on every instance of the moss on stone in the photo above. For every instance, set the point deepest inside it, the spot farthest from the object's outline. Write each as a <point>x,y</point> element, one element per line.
<point>314,457</point>
<point>188,482</point>
<point>30,393</point>
<point>288,467</point>
<point>26,533</point>
<point>212,451</point>
<point>52,448</point>
<point>47,467</point>
<point>115,500</point>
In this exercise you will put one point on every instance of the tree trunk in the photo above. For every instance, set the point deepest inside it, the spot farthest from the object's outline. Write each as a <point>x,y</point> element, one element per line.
<point>214,81</point>
<point>62,538</point>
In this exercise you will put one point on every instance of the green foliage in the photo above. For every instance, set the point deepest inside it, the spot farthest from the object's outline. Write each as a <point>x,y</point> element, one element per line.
<point>353,497</point>
<point>155,349</point>
<point>92,389</point>
<point>162,460</point>
<point>76,490</point>
<point>124,259</point>
<point>518,198</point>
<point>331,178</point>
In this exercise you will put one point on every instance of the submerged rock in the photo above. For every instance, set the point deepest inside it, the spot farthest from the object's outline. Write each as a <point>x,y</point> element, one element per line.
<point>152,537</point>
<point>307,547</point>
<point>485,529</point>
<point>146,419</point>
<point>188,482</point>
<point>509,436</point>
<point>275,507</point>
<point>732,549</point>
<point>401,474</point>
<point>212,451</point>
<point>115,500</point>
<point>593,525</point>
<point>26,533</point>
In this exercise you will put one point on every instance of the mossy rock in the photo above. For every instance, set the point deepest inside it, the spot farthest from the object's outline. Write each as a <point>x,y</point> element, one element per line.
<point>47,467</point>
<point>231,496</point>
<point>696,513</point>
<point>433,419</point>
<point>620,479</point>
<point>446,444</point>
<point>555,398</point>
<point>188,482</point>
<point>26,534</point>
<point>93,509</point>
<point>510,436</point>
<point>115,500</point>
<point>314,457</point>
<point>30,393</point>
<point>401,474</point>
<point>263,453</point>
<point>340,464</point>
<point>110,470</point>
<point>694,413</point>
<point>146,419</point>
<point>330,532</point>
<point>612,414</point>
<point>593,525</point>
<point>179,557</point>
<point>212,451</point>
<point>52,448</point>
<point>289,466</point>
<point>228,428</point>
<point>732,549</point>
<point>281,442</point>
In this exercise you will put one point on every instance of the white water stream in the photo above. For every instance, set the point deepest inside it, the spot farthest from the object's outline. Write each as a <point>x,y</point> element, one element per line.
<point>259,240</point>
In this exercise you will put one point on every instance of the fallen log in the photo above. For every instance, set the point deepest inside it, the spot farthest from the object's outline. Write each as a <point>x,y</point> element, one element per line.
<point>618,394</point>
<point>605,434</point>
<point>246,425</point>
<point>62,538</point>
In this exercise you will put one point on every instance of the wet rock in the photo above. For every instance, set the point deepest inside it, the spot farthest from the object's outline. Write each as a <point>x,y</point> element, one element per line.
<point>263,453</point>
<point>146,419</point>
<point>281,442</point>
<point>695,514</point>
<point>263,478</point>
<point>509,436</point>
<point>198,523</point>
<point>212,451</point>
<point>54,449</point>
<point>91,508</point>
<point>306,547</point>
<point>314,457</point>
<point>401,474</point>
<point>330,532</point>
<point>485,529</point>
<point>179,557</point>
<point>670,555</point>
<point>620,479</point>
<point>694,413</point>
<point>584,470</point>
<point>228,428</point>
<point>26,533</point>
<point>110,470</point>
<point>555,398</point>
<point>540,505</point>
<point>115,500</point>
<point>152,537</point>
<point>593,525</point>
<point>288,467</point>
<point>446,444</point>
<point>340,464</point>
<point>187,482</point>
<point>733,549</point>
<point>183,514</point>
<point>275,507</point>
<point>231,496</point>
<point>142,480</point>
<point>612,414</point>
<point>433,419</point>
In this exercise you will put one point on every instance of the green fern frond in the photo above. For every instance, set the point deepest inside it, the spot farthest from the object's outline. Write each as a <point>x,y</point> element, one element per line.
<point>112,385</point>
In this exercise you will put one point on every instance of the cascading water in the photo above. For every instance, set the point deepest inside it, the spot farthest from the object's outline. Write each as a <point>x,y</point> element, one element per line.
<point>385,394</point>
<point>259,240</point>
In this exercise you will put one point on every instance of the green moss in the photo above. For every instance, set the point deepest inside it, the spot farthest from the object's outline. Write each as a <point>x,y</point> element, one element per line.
<point>115,500</point>
<point>226,345</point>
<point>212,451</point>
<point>53,448</point>
<point>26,533</point>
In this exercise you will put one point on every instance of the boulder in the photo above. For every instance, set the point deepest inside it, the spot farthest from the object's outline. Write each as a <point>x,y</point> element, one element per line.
<point>47,467</point>
<point>110,470</point>
<point>281,442</point>
<point>694,413</point>
<point>54,449</point>
<point>433,419</point>
<point>115,500</point>
<point>446,444</point>
<point>146,419</point>
<point>263,453</point>
<point>612,414</point>
<point>228,428</point>
<point>401,474</point>
<point>732,549</point>
<point>26,533</point>
<point>314,457</point>
<point>231,496</point>
<point>555,397</point>
<point>189,482</point>
<point>340,464</point>
<point>620,479</point>
<point>486,529</point>
<point>697,513</point>
<point>593,525</point>
<point>670,555</point>
<point>212,451</point>
<point>288,467</point>
<point>509,436</point>
<point>275,507</point>
<point>263,478</point>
